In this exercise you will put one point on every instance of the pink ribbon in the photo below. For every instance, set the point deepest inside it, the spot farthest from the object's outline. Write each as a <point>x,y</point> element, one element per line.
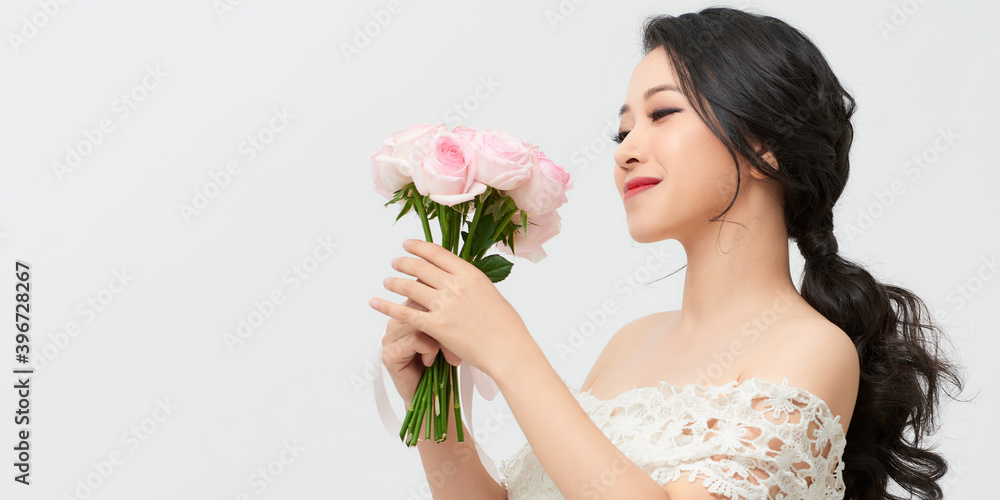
<point>469,376</point>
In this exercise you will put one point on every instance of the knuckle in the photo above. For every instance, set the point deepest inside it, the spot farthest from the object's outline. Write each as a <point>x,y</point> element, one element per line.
<point>429,341</point>
<point>391,351</point>
<point>423,323</point>
<point>426,343</point>
<point>406,315</point>
<point>456,283</point>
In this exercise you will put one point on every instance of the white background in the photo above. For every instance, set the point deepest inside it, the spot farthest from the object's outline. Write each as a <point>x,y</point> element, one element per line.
<point>559,73</point>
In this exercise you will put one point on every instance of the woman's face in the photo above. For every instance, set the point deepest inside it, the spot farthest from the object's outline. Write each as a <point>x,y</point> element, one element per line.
<point>666,140</point>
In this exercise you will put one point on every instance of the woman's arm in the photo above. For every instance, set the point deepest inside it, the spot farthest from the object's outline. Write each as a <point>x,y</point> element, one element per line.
<point>454,470</point>
<point>467,314</point>
<point>582,462</point>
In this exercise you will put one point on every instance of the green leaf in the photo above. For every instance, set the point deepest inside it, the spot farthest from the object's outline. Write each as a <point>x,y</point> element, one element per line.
<point>492,208</point>
<point>406,209</point>
<point>393,200</point>
<point>495,267</point>
<point>524,221</point>
<point>400,193</point>
<point>484,231</point>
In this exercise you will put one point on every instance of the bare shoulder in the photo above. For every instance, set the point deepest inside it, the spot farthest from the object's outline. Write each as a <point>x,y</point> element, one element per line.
<point>622,340</point>
<point>813,354</point>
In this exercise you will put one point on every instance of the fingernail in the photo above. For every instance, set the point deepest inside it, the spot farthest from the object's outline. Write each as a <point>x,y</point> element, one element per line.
<point>374,302</point>
<point>385,283</point>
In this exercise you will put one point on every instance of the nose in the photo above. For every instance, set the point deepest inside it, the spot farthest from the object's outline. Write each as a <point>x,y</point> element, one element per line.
<point>628,155</point>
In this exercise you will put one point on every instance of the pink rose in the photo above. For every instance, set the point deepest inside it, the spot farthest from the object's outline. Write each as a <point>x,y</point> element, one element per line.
<point>502,160</point>
<point>545,190</point>
<point>529,246</point>
<point>467,133</point>
<point>448,173</point>
<point>393,162</point>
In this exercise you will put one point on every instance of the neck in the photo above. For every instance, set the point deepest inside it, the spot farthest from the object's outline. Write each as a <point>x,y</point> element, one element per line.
<point>737,273</point>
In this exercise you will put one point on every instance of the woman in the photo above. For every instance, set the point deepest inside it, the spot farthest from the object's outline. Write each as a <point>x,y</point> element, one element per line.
<point>734,138</point>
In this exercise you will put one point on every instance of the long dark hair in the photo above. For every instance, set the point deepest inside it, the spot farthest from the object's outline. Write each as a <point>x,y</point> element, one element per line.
<point>766,82</point>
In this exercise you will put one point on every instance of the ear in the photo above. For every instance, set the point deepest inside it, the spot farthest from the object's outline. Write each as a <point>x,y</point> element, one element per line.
<point>767,156</point>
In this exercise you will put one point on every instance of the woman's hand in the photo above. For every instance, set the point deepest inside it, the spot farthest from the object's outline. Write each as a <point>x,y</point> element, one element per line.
<point>406,351</point>
<point>464,311</point>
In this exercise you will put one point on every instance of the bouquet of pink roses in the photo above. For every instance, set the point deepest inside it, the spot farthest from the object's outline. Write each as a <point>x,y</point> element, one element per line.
<point>506,184</point>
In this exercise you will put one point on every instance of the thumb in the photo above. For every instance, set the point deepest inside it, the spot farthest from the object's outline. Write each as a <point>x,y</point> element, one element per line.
<point>450,357</point>
<point>428,358</point>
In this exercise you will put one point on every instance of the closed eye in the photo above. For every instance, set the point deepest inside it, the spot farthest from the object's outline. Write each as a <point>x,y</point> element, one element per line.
<point>655,115</point>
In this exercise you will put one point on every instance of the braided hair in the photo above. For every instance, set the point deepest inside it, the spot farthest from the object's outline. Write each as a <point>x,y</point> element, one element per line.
<point>766,82</point>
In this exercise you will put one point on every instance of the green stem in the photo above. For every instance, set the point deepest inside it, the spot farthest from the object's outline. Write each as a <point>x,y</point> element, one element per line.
<point>403,434</point>
<point>443,216</point>
<point>434,397</point>
<point>456,229</point>
<point>442,407</point>
<point>418,400</point>
<point>447,396</point>
<point>434,390</point>
<point>437,397</point>
<point>502,225</point>
<point>415,423</point>
<point>419,205</point>
<point>472,229</point>
<point>427,431</point>
<point>458,405</point>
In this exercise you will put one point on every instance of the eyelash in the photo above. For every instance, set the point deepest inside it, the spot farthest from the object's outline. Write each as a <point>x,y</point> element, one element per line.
<point>660,113</point>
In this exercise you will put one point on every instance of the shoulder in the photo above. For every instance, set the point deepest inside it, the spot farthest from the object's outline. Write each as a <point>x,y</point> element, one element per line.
<point>815,355</point>
<point>626,337</point>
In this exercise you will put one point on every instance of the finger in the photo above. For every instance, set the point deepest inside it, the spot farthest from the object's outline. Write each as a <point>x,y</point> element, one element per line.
<point>395,330</point>
<point>437,255</point>
<point>403,314</point>
<point>450,357</point>
<point>428,358</point>
<point>401,352</point>
<point>424,271</point>
<point>411,303</point>
<point>418,292</point>
<point>426,347</point>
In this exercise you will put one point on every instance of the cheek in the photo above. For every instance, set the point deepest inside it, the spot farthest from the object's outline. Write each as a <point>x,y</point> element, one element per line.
<point>690,195</point>
<point>705,172</point>
<point>687,192</point>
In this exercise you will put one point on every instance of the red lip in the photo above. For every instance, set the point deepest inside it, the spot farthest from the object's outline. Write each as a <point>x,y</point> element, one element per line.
<point>640,181</point>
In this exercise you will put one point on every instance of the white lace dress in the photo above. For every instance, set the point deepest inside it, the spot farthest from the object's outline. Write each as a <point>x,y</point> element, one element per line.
<point>749,440</point>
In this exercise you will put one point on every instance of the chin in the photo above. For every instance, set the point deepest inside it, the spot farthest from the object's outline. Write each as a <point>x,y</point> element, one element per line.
<point>642,236</point>
<point>651,230</point>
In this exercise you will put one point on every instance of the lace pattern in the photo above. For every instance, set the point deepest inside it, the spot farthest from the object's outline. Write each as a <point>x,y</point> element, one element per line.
<point>754,439</point>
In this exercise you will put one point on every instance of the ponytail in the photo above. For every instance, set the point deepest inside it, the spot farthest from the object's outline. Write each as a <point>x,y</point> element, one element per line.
<point>752,78</point>
<point>900,377</point>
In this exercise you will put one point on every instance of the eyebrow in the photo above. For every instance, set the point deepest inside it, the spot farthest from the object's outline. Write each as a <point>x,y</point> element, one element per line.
<point>649,93</point>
